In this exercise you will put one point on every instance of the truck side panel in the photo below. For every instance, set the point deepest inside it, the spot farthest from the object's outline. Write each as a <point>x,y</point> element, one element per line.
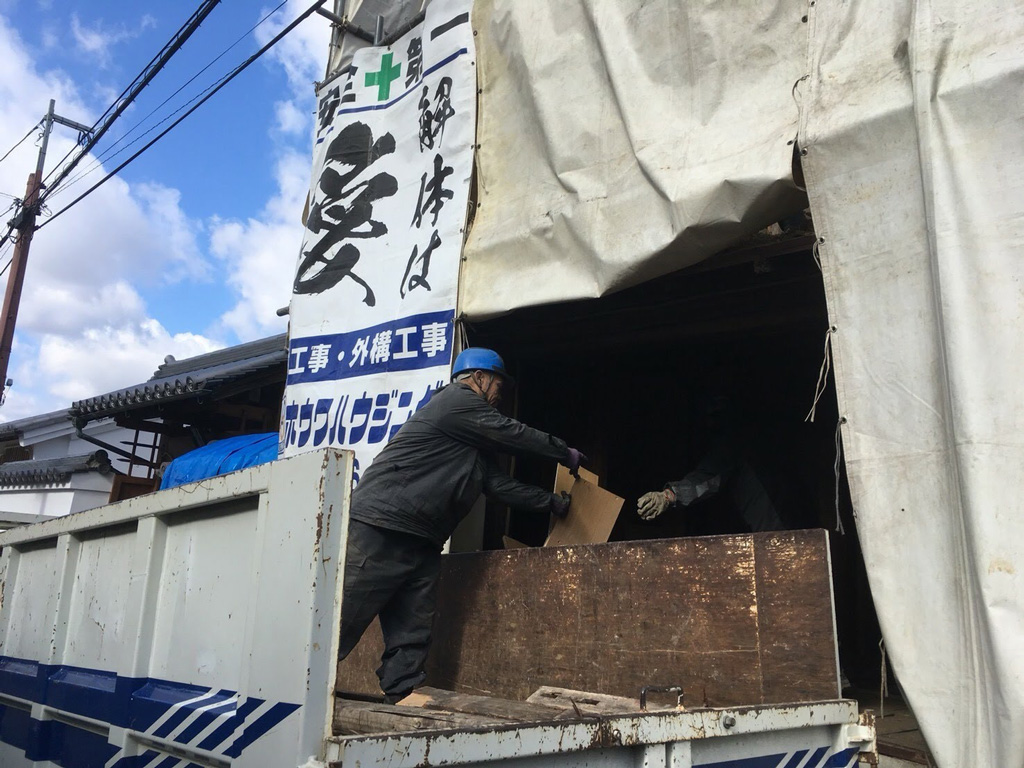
<point>197,622</point>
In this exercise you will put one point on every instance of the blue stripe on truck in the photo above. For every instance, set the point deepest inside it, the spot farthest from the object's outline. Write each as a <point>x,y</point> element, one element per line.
<point>162,708</point>
<point>822,758</point>
<point>187,708</point>
<point>226,731</point>
<point>274,715</point>
<point>17,727</point>
<point>152,700</point>
<point>206,718</point>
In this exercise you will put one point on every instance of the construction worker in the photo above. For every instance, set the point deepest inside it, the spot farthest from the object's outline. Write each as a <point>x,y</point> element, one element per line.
<point>716,472</point>
<point>732,468</point>
<point>414,494</point>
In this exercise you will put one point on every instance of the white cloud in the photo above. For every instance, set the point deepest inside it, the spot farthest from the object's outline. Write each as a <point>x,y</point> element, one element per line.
<point>51,372</point>
<point>108,358</point>
<point>95,40</point>
<point>261,254</point>
<point>303,52</point>
<point>60,369</point>
<point>65,308</point>
<point>290,118</point>
<point>84,327</point>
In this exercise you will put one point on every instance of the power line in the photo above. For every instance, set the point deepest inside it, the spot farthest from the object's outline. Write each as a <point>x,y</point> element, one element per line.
<point>113,105</point>
<point>5,250</point>
<point>224,81</point>
<point>129,94</point>
<point>191,80</point>
<point>20,142</point>
<point>108,153</point>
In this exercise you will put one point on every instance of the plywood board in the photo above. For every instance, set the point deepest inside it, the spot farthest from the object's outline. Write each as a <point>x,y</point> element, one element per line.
<point>592,515</point>
<point>734,620</point>
<point>789,577</point>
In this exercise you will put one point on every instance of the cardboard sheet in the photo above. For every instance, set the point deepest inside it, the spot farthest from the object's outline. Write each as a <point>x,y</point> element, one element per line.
<point>564,480</point>
<point>592,515</point>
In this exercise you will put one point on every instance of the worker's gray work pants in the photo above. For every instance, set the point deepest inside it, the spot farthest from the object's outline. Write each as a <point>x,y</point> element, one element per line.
<point>392,575</point>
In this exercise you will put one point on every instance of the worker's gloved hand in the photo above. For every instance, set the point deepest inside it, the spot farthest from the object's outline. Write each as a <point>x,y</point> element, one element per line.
<point>652,504</point>
<point>560,504</point>
<point>574,460</point>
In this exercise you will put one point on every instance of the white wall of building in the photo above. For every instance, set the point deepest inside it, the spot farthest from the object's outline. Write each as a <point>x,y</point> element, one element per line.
<point>56,439</point>
<point>84,490</point>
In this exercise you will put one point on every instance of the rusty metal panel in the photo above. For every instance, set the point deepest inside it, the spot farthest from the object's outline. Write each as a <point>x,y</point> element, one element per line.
<point>735,620</point>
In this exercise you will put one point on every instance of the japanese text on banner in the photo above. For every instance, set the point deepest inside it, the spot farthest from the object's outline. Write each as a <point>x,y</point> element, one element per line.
<point>373,304</point>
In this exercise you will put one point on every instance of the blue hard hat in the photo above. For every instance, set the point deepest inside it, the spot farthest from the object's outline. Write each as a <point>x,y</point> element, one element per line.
<point>480,359</point>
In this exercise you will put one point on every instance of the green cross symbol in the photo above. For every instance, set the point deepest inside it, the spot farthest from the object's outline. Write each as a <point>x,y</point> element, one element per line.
<point>382,79</point>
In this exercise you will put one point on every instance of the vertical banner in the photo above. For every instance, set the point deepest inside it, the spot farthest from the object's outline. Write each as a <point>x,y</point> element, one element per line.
<point>373,303</point>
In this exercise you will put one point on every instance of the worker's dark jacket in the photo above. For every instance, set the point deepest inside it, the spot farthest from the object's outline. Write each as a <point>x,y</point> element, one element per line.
<point>757,489</point>
<point>434,469</point>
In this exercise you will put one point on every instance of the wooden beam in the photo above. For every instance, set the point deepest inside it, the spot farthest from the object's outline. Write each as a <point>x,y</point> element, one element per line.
<point>587,702</point>
<point>358,717</point>
<point>485,706</point>
<point>130,421</point>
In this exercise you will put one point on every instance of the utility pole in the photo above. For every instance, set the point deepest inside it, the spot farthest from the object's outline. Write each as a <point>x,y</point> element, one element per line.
<point>25,224</point>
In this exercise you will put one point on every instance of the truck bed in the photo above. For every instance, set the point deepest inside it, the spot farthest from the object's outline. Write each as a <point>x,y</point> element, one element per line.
<point>811,735</point>
<point>199,626</point>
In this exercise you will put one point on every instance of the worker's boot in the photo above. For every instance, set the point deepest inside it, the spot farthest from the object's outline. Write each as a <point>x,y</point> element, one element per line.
<point>394,698</point>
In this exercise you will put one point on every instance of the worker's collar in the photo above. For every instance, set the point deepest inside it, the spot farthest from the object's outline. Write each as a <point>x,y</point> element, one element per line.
<point>490,393</point>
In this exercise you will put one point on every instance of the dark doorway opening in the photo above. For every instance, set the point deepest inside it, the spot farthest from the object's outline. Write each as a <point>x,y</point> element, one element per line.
<point>628,379</point>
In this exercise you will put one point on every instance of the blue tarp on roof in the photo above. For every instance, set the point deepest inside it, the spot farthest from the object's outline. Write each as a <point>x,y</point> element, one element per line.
<point>221,457</point>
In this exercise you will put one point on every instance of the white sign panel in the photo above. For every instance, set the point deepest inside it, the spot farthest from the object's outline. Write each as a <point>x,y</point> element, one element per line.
<point>373,304</point>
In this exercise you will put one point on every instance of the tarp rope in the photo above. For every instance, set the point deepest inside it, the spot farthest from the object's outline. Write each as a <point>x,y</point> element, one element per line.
<point>826,366</point>
<point>839,456</point>
<point>883,688</point>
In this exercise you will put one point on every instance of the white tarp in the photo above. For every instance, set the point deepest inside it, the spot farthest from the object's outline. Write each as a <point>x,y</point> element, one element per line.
<point>620,141</point>
<point>913,125</point>
<point>372,314</point>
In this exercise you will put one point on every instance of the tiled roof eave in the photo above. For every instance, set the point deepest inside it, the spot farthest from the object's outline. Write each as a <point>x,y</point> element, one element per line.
<point>193,384</point>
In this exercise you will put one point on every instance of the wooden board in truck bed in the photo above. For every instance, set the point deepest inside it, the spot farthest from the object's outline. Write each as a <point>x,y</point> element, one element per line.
<point>735,620</point>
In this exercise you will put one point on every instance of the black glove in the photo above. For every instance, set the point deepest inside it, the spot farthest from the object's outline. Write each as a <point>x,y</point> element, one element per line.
<point>574,460</point>
<point>560,504</point>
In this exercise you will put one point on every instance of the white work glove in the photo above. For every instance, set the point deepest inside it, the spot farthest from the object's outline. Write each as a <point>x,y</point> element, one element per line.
<point>652,504</point>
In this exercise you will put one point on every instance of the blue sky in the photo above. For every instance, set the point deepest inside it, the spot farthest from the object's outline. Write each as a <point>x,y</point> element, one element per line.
<point>193,245</point>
